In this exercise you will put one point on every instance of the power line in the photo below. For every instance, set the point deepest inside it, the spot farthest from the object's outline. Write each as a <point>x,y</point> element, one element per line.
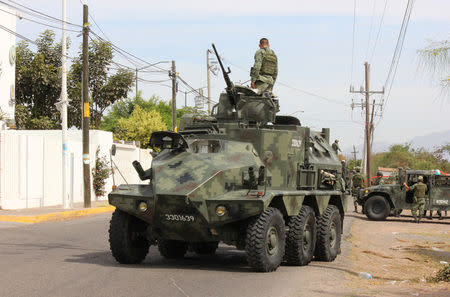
<point>36,13</point>
<point>370,30</point>
<point>289,86</point>
<point>353,41</point>
<point>37,22</point>
<point>379,30</point>
<point>396,56</point>
<point>29,40</point>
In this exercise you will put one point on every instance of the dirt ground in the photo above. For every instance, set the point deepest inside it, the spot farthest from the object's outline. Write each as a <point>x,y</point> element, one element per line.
<point>399,254</point>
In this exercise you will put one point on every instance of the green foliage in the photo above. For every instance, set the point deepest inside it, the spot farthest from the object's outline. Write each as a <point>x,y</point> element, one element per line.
<point>24,121</point>
<point>38,77</point>
<point>351,164</point>
<point>442,275</point>
<point>404,156</point>
<point>105,89</point>
<point>140,126</point>
<point>100,173</point>
<point>124,108</point>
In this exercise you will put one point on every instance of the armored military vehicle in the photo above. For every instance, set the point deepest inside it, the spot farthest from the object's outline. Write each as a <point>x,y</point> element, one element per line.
<point>380,201</point>
<point>242,176</point>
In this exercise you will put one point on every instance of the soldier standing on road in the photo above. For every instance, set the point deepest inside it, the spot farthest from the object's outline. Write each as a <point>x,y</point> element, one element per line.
<point>336,147</point>
<point>264,72</point>
<point>420,198</point>
<point>358,181</point>
<point>379,180</point>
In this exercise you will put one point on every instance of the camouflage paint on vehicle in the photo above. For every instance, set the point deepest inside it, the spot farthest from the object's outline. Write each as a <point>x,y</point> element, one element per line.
<point>398,198</point>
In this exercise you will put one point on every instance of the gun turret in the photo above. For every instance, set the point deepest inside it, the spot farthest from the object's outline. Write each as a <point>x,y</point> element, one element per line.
<point>230,86</point>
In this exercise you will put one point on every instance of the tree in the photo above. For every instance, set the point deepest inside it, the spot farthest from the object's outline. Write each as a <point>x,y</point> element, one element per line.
<point>435,58</point>
<point>403,155</point>
<point>140,126</point>
<point>124,108</point>
<point>104,88</point>
<point>38,79</point>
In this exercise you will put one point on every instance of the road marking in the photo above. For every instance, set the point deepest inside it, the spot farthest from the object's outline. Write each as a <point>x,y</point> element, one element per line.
<point>56,216</point>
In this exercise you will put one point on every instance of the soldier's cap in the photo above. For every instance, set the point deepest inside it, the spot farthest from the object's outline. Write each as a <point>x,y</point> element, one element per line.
<point>379,173</point>
<point>420,177</point>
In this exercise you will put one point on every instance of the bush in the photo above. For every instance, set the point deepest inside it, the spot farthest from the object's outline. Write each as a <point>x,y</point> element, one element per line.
<point>100,173</point>
<point>442,275</point>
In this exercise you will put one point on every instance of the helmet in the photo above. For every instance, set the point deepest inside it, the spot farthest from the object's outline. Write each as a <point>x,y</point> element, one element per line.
<point>358,169</point>
<point>420,178</point>
<point>336,140</point>
<point>379,173</point>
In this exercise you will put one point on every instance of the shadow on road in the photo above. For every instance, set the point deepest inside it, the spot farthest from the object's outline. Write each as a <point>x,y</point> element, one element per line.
<point>227,259</point>
<point>402,218</point>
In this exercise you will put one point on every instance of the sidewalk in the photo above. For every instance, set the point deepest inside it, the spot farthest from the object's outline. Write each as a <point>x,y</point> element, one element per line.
<point>54,213</point>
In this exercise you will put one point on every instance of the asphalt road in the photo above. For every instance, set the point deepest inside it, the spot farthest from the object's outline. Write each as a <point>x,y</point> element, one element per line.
<point>72,258</point>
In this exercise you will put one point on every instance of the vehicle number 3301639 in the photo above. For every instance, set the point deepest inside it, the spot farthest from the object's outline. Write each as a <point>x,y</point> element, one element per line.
<point>180,218</point>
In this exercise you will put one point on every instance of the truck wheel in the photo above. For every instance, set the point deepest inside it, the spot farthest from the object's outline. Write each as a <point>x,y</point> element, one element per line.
<point>301,238</point>
<point>328,234</point>
<point>127,239</point>
<point>377,208</point>
<point>205,248</point>
<point>265,241</point>
<point>172,249</point>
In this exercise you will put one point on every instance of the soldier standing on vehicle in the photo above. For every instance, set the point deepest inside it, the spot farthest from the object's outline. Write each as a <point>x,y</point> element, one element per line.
<point>420,198</point>
<point>336,147</point>
<point>379,180</point>
<point>358,181</point>
<point>264,72</point>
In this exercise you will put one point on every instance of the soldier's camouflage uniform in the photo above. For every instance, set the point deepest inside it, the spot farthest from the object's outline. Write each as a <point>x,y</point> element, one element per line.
<point>265,70</point>
<point>358,181</point>
<point>420,198</point>
<point>336,147</point>
<point>379,181</point>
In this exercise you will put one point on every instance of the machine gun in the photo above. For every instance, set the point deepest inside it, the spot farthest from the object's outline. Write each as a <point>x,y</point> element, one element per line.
<point>231,91</point>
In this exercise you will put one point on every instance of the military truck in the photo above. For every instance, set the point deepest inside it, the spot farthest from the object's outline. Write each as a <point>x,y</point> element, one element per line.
<point>242,176</point>
<point>380,201</point>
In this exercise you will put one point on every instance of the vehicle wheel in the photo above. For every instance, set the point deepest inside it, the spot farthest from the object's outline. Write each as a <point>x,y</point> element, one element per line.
<point>328,234</point>
<point>265,241</point>
<point>377,208</point>
<point>127,239</point>
<point>172,249</point>
<point>205,248</point>
<point>301,237</point>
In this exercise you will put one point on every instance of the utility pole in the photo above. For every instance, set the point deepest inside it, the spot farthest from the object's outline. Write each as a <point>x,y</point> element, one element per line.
<point>63,109</point>
<point>208,73</point>
<point>354,154</point>
<point>173,75</point>
<point>85,112</point>
<point>368,130</point>
<point>137,82</point>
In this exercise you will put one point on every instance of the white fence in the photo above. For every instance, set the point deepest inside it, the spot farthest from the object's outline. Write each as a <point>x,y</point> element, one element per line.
<point>31,170</point>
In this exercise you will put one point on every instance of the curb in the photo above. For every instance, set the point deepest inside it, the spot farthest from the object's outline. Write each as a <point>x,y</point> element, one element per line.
<point>56,216</point>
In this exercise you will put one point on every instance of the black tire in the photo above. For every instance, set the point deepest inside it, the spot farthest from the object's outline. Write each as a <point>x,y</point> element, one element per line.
<point>172,249</point>
<point>301,238</point>
<point>127,239</point>
<point>265,241</point>
<point>329,228</point>
<point>377,208</point>
<point>205,248</point>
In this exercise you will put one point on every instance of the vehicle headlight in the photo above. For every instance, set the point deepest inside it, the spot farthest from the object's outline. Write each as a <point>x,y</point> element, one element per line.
<point>143,206</point>
<point>221,210</point>
<point>366,191</point>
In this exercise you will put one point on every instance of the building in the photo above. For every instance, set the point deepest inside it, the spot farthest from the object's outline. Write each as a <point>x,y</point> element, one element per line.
<point>7,61</point>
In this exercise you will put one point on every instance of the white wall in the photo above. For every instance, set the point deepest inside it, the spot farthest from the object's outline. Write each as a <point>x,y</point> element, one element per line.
<point>31,170</point>
<point>7,65</point>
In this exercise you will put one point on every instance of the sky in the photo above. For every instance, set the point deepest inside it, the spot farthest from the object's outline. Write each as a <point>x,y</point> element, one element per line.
<point>312,39</point>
